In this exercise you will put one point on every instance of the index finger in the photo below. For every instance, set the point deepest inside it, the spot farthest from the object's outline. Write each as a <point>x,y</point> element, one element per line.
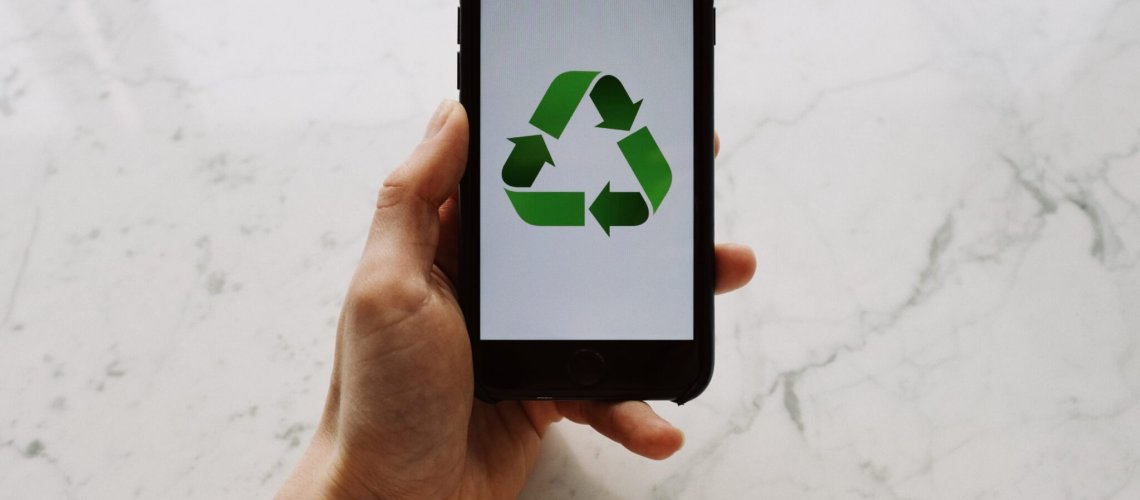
<point>632,423</point>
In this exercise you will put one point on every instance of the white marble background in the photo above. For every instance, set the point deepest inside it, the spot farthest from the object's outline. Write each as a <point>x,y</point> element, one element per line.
<point>944,197</point>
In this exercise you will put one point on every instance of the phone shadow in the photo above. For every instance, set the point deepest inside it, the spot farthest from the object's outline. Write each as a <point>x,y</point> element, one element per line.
<point>559,475</point>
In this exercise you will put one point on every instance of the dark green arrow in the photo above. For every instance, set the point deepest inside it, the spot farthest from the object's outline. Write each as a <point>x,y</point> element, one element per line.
<point>526,160</point>
<point>560,101</point>
<point>612,208</point>
<point>648,164</point>
<point>550,208</point>
<point>614,104</point>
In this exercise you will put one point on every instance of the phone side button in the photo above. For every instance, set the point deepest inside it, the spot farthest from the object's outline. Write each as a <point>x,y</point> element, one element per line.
<point>586,367</point>
<point>459,70</point>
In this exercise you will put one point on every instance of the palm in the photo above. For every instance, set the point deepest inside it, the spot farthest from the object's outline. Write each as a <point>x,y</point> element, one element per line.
<point>450,444</point>
<point>501,450</point>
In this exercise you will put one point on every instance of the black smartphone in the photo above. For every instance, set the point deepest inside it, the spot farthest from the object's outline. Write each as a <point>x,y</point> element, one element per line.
<point>586,269</point>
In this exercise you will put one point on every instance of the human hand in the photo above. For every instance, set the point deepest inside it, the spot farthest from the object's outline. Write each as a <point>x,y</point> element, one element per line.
<point>401,420</point>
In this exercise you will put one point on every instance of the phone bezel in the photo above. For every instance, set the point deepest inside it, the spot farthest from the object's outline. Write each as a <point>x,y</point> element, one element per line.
<point>637,369</point>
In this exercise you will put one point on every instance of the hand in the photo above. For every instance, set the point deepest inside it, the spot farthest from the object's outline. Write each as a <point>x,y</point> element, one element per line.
<point>400,420</point>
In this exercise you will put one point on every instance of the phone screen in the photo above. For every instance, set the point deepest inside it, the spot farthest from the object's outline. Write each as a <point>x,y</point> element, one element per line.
<point>586,170</point>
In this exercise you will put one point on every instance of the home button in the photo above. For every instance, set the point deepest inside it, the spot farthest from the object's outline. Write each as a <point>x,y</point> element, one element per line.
<point>586,367</point>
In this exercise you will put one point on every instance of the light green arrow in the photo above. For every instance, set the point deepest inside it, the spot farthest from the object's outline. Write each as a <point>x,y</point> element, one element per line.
<point>648,164</point>
<point>550,208</point>
<point>560,101</point>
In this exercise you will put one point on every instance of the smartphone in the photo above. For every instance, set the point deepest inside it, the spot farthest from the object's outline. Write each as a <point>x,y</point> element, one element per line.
<point>586,269</point>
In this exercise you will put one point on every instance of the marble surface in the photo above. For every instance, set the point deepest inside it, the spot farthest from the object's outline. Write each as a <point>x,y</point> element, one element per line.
<point>944,197</point>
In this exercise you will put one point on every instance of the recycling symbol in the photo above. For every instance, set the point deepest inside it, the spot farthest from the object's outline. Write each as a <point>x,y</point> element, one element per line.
<point>568,208</point>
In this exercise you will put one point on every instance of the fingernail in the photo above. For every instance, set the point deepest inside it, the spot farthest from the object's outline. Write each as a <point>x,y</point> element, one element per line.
<point>438,118</point>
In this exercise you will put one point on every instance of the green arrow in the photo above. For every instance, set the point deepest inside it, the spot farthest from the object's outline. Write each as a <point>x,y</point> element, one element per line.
<point>560,101</point>
<point>550,208</point>
<point>614,104</point>
<point>526,160</point>
<point>648,164</point>
<point>612,208</point>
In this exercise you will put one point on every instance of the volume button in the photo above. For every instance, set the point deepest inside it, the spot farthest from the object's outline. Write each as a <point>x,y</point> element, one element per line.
<point>714,25</point>
<point>459,70</point>
<point>459,25</point>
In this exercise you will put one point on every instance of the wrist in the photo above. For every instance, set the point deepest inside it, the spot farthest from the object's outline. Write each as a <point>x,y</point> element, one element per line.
<point>327,472</point>
<point>321,474</point>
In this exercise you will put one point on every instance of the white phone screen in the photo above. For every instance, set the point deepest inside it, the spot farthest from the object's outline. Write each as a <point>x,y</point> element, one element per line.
<point>586,180</point>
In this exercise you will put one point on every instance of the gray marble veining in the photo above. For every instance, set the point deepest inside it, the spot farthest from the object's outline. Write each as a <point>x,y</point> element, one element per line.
<point>944,198</point>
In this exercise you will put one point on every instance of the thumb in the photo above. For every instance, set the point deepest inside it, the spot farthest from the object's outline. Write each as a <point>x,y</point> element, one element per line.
<point>405,227</point>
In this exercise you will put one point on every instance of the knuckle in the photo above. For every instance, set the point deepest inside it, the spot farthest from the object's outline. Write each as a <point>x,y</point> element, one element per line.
<point>398,196</point>
<point>392,193</point>
<point>385,298</point>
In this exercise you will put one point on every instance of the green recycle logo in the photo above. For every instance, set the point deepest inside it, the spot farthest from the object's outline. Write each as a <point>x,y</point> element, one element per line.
<point>568,208</point>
